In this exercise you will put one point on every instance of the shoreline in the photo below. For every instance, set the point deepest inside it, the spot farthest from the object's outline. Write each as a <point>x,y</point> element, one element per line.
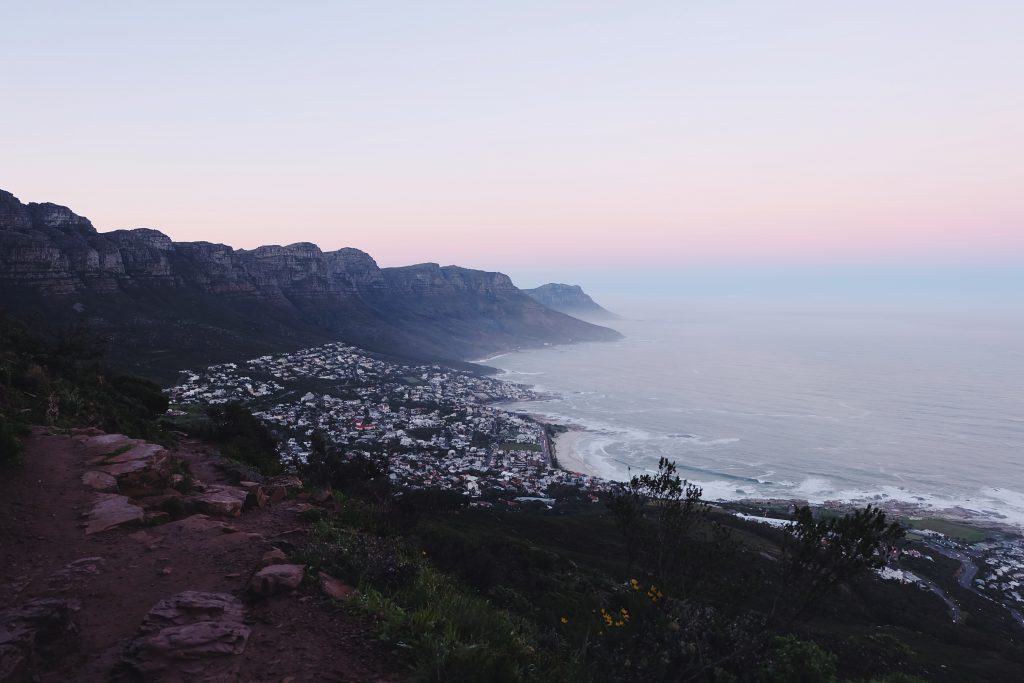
<point>567,457</point>
<point>564,438</point>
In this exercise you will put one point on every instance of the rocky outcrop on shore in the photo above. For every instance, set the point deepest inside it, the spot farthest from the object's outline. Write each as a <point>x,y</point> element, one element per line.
<point>177,303</point>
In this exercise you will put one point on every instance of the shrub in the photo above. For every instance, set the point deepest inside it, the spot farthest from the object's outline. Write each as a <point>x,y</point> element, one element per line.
<point>791,660</point>
<point>240,435</point>
<point>11,448</point>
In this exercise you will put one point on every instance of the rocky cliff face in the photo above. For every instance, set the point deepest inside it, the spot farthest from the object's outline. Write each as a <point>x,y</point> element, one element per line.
<point>569,299</point>
<point>169,304</point>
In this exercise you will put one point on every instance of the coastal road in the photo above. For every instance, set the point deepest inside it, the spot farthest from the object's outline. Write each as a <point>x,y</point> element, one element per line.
<point>968,570</point>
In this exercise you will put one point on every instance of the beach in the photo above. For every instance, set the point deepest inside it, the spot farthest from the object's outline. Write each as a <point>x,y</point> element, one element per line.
<point>568,455</point>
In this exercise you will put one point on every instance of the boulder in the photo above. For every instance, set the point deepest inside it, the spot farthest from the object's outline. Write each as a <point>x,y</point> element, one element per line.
<point>110,511</point>
<point>192,636</point>
<point>276,578</point>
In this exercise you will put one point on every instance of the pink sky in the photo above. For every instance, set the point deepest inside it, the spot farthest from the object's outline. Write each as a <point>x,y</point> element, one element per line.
<point>510,137</point>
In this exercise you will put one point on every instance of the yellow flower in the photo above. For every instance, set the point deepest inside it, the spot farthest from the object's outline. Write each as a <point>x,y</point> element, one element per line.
<point>565,620</point>
<point>625,612</point>
<point>620,623</point>
<point>635,584</point>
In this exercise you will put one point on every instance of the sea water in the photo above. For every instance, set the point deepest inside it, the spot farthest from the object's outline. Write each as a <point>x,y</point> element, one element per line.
<point>813,402</point>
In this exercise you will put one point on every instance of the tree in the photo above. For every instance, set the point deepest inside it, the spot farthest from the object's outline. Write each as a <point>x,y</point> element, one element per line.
<point>655,513</point>
<point>820,554</point>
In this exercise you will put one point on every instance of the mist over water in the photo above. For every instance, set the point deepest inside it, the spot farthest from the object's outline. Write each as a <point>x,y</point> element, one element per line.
<point>787,400</point>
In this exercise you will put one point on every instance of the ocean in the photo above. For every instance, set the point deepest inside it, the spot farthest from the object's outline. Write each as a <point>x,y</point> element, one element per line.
<point>915,406</point>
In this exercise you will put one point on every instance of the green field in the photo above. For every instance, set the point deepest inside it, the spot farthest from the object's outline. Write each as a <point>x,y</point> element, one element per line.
<point>964,532</point>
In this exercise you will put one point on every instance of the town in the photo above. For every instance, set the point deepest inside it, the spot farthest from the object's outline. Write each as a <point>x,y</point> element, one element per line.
<point>437,427</point>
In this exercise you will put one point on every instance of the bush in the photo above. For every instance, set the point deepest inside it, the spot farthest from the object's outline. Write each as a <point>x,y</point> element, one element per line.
<point>145,394</point>
<point>11,448</point>
<point>240,436</point>
<point>791,660</point>
<point>358,557</point>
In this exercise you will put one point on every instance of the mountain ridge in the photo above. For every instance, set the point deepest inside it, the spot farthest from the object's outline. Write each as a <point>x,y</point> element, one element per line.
<point>186,303</point>
<point>569,299</point>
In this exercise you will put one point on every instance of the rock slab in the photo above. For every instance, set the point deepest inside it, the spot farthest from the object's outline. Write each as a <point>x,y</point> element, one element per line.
<point>192,636</point>
<point>226,501</point>
<point>111,511</point>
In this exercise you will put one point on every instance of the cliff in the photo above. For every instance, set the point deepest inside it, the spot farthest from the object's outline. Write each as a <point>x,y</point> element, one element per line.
<point>169,304</point>
<point>569,299</point>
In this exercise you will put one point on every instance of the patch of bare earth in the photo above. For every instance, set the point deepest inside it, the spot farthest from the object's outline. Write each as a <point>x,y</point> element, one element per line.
<point>96,585</point>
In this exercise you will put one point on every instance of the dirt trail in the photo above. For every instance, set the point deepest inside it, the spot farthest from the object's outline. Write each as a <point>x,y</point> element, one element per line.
<point>119,575</point>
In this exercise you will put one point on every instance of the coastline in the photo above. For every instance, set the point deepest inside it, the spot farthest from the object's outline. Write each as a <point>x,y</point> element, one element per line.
<point>564,442</point>
<point>567,457</point>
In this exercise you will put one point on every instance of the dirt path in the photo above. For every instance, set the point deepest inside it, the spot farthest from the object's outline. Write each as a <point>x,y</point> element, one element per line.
<point>119,575</point>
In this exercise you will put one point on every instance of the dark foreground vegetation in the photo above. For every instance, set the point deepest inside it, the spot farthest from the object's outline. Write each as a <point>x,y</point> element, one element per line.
<point>649,584</point>
<point>61,378</point>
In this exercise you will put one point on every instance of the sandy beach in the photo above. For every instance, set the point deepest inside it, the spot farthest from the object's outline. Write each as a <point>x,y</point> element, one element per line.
<point>567,454</point>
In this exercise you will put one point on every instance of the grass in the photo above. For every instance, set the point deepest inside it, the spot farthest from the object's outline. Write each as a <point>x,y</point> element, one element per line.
<point>964,532</point>
<point>447,631</point>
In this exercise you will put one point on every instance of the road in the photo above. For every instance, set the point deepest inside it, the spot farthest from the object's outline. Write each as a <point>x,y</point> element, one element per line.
<point>968,570</point>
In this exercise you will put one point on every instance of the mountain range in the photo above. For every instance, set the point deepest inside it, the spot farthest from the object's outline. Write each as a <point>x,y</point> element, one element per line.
<point>168,305</point>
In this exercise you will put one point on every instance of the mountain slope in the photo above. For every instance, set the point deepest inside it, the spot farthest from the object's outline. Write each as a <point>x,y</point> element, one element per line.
<point>169,304</point>
<point>569,299</point>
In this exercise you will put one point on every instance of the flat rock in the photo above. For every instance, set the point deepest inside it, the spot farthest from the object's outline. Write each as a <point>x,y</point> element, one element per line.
<point>192,636</point>
<point>149,452</point>
<point>226,501</point>
<point>195,524</point>
<point>120,469</point>
<point>276,578</point>
<point>110,511</point>
<point>106,443</point>
<point>100,481</point>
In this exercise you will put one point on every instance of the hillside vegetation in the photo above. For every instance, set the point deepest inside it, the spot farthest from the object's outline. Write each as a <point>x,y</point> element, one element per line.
<point>648,583</point>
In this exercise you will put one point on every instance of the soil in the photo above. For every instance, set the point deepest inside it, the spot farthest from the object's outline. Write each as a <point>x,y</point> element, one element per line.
<point>300,636</point>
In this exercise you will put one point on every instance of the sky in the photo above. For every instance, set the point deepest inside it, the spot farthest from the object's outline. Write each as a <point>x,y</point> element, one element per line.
<point>592,141</point>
